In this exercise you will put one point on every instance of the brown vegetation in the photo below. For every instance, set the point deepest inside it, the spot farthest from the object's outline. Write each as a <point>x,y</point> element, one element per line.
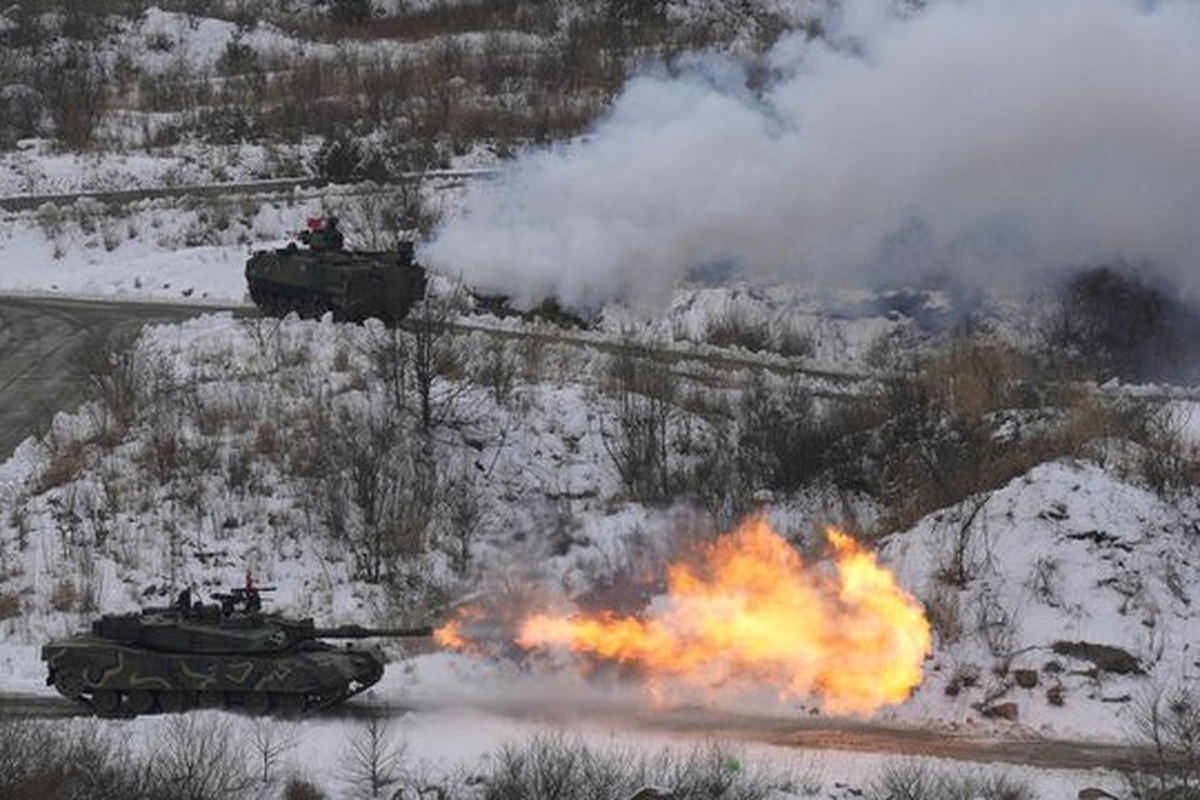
<point>528,72</point>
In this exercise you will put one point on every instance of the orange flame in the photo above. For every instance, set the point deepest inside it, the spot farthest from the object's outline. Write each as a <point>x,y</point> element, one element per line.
<point>451,635</point>
<point>750,613</point>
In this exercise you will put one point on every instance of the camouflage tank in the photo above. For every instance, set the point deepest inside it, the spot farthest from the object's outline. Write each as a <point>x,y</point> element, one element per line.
<point>222,655</point>
<point>353,284</point>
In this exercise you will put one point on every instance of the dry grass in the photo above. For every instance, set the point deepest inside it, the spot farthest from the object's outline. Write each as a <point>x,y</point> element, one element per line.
<point>980,415</point>
<point>64,465</point>
<point>10,605</point>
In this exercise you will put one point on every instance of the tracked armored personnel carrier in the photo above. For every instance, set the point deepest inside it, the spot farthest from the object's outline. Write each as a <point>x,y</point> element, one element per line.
<point>228,654</point>
<point>352,284</point>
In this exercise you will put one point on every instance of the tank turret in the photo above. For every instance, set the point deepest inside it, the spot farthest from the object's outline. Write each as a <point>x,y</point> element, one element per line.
<point>227,654</point>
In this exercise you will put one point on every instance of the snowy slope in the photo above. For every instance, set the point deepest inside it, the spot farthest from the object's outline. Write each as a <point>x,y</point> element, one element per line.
<point>1066,555</point>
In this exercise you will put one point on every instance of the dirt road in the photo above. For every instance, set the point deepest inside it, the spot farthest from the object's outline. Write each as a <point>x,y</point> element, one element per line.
<point>802,733</point>
<point>49,350</point>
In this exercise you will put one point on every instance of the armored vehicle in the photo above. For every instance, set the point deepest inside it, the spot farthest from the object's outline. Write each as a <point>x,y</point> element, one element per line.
<point>228,654</point>
<point>353,284</point>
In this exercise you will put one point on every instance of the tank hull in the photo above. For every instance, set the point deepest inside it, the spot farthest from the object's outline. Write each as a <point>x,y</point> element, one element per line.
<point>352,285</point>
<point>114,679</point>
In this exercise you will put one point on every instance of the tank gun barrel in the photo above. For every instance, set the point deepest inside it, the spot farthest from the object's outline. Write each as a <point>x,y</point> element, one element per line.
<point>359,632</point>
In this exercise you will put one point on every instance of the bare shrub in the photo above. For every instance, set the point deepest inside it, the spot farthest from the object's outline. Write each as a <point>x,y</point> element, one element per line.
<point>350,12</point>
<point>637,442</point>
<point>735,328</point>
<point>782,445</point>
<point>299,789</point>
<point>390,353</point>
<point>1121,321</point>
<point>944,437</point>
<point>793,342</point>
<point>374,219</point>
<point>238,58</point>
<point>554,766</point>
<point>65,463</point>
<point>917,781</point>
<point>944,614</point>
<point>1168,721</point>
<point>37,760</point>
<point>498,371</point>
<point>340,159</point>
<point>714,477</point>
<point>74,88</point>
<point>21,109</point>
<point>463,503</point>
<point>564,768</point>
<point>436,361</point>
<point>199,756</point>
<point>1169,461</point>
<point>64,597</point>
<point>1164,461</point>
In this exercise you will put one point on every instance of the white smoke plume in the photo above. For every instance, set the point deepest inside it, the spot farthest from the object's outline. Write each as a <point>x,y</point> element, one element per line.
<point>992,141</point>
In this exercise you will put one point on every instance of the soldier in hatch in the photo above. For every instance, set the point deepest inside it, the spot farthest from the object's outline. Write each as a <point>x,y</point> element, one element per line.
<point>323,235</point>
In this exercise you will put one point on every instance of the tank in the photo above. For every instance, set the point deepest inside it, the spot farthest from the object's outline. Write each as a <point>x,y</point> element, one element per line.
<point>353,284</point>
<point>228,654</point>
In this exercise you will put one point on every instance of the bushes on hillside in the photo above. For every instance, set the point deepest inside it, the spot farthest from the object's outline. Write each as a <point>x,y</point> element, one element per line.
<point>1116,321</point>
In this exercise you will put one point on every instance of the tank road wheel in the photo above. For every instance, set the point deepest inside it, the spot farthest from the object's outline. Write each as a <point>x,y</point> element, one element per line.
<point>68,683</point>
<point>257,704</point>
<point>173,702</point>
<point>210,699</point>
<point>289,705</point>
<point>106,701</point>
<point>280,306</point>
<point>141,701</point>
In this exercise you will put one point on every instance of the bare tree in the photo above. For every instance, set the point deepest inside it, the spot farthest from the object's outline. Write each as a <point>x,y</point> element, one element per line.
<point>112,383</point>
<point>435,361</point>
<point>372,761</point>
<point>409,506</point>
<point>378,217</point>
<point>271,742</point>
<point>74,88</point>
<point>391,354</point>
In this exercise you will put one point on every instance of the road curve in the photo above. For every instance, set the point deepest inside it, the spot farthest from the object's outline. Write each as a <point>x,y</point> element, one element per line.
<point>49,349</point>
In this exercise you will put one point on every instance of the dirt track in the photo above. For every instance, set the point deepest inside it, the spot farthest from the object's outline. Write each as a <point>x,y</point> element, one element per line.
<point>802,733</point>
<point>49,349</point>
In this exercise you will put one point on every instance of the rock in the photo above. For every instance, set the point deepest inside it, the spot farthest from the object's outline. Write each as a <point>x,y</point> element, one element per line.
<point>1026,678</point>
<point>1092,793</point>
<point>1006,711</point>
<point>652,793</point>
<point>1106,657</point>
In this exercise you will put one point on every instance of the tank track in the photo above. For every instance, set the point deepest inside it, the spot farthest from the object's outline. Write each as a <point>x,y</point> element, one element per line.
<point>129,702</point>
